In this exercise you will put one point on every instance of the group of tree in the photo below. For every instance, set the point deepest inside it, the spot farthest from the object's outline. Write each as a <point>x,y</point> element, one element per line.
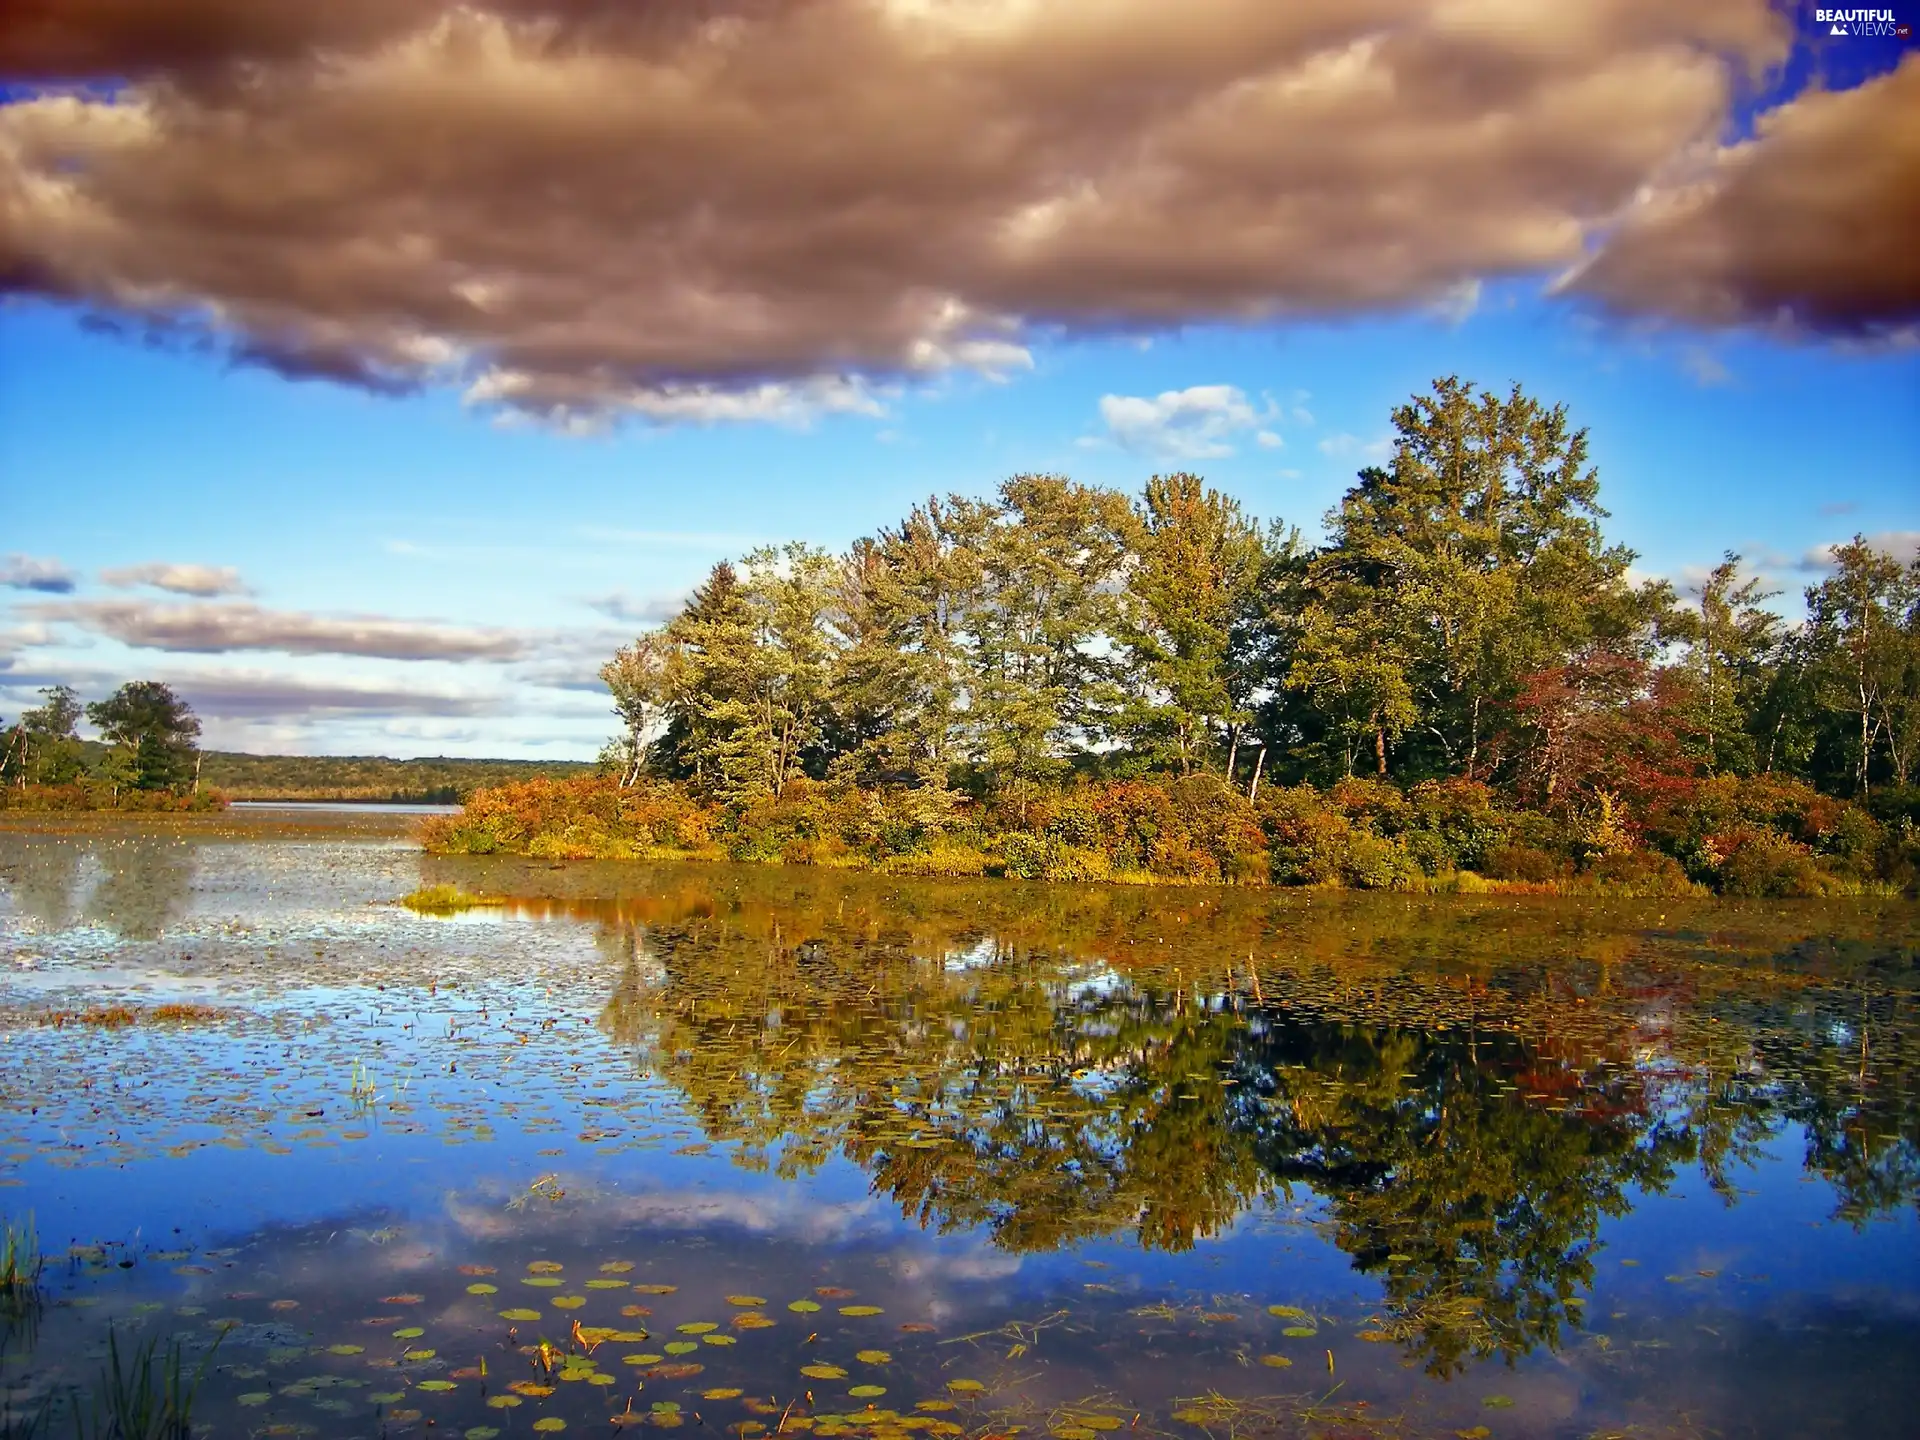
<point>150,737</point>
<point>1465,618</point>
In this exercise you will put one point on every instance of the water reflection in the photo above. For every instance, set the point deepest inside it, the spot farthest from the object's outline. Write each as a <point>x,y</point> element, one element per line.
<point>137,886</point>
<point>1467,1125</point>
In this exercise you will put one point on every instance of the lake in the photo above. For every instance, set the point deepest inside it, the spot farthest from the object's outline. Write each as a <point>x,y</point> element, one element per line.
<point>793,1151</point>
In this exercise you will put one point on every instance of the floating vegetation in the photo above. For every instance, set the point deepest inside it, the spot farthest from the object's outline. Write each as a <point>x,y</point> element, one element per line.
<point>446,900</point>
<point>122,1017</point>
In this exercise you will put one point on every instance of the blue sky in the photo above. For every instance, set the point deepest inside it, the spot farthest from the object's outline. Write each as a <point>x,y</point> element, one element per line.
<point>324,566</point>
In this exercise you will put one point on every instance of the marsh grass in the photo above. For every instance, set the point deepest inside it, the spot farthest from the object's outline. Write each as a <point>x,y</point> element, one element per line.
<point>445,900</point>
<point>145,1395</point>
<point>20,1261</point>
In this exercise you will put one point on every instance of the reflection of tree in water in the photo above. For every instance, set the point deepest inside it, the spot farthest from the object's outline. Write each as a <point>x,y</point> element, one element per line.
<point>146,885</point>
<point>1467,1138</point>
<point>43,880</point>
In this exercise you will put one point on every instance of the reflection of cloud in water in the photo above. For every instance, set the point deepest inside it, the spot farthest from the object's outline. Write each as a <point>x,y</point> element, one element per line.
<point>788,1214</point>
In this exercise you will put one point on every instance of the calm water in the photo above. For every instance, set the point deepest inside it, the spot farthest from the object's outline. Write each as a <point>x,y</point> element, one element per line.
<point>804,1152</point>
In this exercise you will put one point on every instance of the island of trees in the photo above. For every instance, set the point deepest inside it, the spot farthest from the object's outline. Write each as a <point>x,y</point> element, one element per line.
<point>1463,687</point>
<point>147,758</point>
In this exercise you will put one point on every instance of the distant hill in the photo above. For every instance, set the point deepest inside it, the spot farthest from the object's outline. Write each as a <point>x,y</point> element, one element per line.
<point>434,779</point>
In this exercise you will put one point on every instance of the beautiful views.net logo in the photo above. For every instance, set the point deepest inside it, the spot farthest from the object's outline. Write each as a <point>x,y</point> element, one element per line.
<point>1862,22</point>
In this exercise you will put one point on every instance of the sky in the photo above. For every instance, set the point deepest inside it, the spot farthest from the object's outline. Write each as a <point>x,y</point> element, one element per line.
<point>370,371</point>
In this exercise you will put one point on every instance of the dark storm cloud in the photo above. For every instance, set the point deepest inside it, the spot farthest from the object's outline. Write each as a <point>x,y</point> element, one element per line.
<point>1813,224</point>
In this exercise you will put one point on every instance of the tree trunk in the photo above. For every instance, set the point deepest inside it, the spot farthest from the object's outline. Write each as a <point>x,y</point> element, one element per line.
<point>1259,764</point>
<point>1380,750</point>
<point>1233,750</point>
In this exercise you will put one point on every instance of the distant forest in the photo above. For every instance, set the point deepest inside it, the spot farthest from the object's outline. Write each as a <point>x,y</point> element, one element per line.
<point>433,780</point>
<point>77,773</point>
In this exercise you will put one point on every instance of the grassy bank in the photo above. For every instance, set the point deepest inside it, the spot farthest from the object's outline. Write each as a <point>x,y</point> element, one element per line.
<point>1754,837</point>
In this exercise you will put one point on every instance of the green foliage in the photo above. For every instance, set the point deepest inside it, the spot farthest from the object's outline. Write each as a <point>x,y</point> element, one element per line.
<point>153,732</point>
<point>1193,595</point>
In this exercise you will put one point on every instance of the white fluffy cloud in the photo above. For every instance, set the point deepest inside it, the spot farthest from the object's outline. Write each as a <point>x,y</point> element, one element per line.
<point>199,580</point>
<point>1198,423</point>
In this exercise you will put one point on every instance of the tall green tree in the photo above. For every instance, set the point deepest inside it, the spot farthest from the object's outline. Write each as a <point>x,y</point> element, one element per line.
<point>1863,626</point>
<point>1472,560</point>
<point>1732,650</point>
<point>42,747</point>
<point>909,667</point>
<point>1042,682</point>
<point>154,733</point>
<point>1192,593</point>
<point>747,671</point>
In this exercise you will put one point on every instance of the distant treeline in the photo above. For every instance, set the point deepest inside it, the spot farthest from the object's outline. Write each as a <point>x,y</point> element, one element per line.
<point>150,759</point>
<point>435,780</point>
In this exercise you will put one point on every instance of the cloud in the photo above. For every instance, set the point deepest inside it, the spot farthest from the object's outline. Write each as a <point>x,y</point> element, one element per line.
<point>1810,225</point>
<point>747,210</point>
<point>1192,424</point>
<point>273,697</point>
<point>1839,507</point>
<point>583,409</point>
<point>644,610</point>
<point>31,572</point>
<point>201,580</point>
<point>1902,545</point>
<point>215,628</point>
<point>1343,446</point>
<point>1704,367</point>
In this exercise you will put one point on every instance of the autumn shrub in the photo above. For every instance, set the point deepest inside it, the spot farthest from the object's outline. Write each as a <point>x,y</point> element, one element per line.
<point>1313,840</point>
<point>1637,872</point>
<point>943,857</point>
<point>1189,827</point>
<point>1754,836</point>
<point>92,794</point>
<point>1760,861</point>
<point>1452,825</point>
<point>1523,862</point>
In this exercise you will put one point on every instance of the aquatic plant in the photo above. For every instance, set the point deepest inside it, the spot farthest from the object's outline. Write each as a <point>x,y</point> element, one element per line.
<point>443,900</point>
<point>20,1261</point>
<point>149,1396</point>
